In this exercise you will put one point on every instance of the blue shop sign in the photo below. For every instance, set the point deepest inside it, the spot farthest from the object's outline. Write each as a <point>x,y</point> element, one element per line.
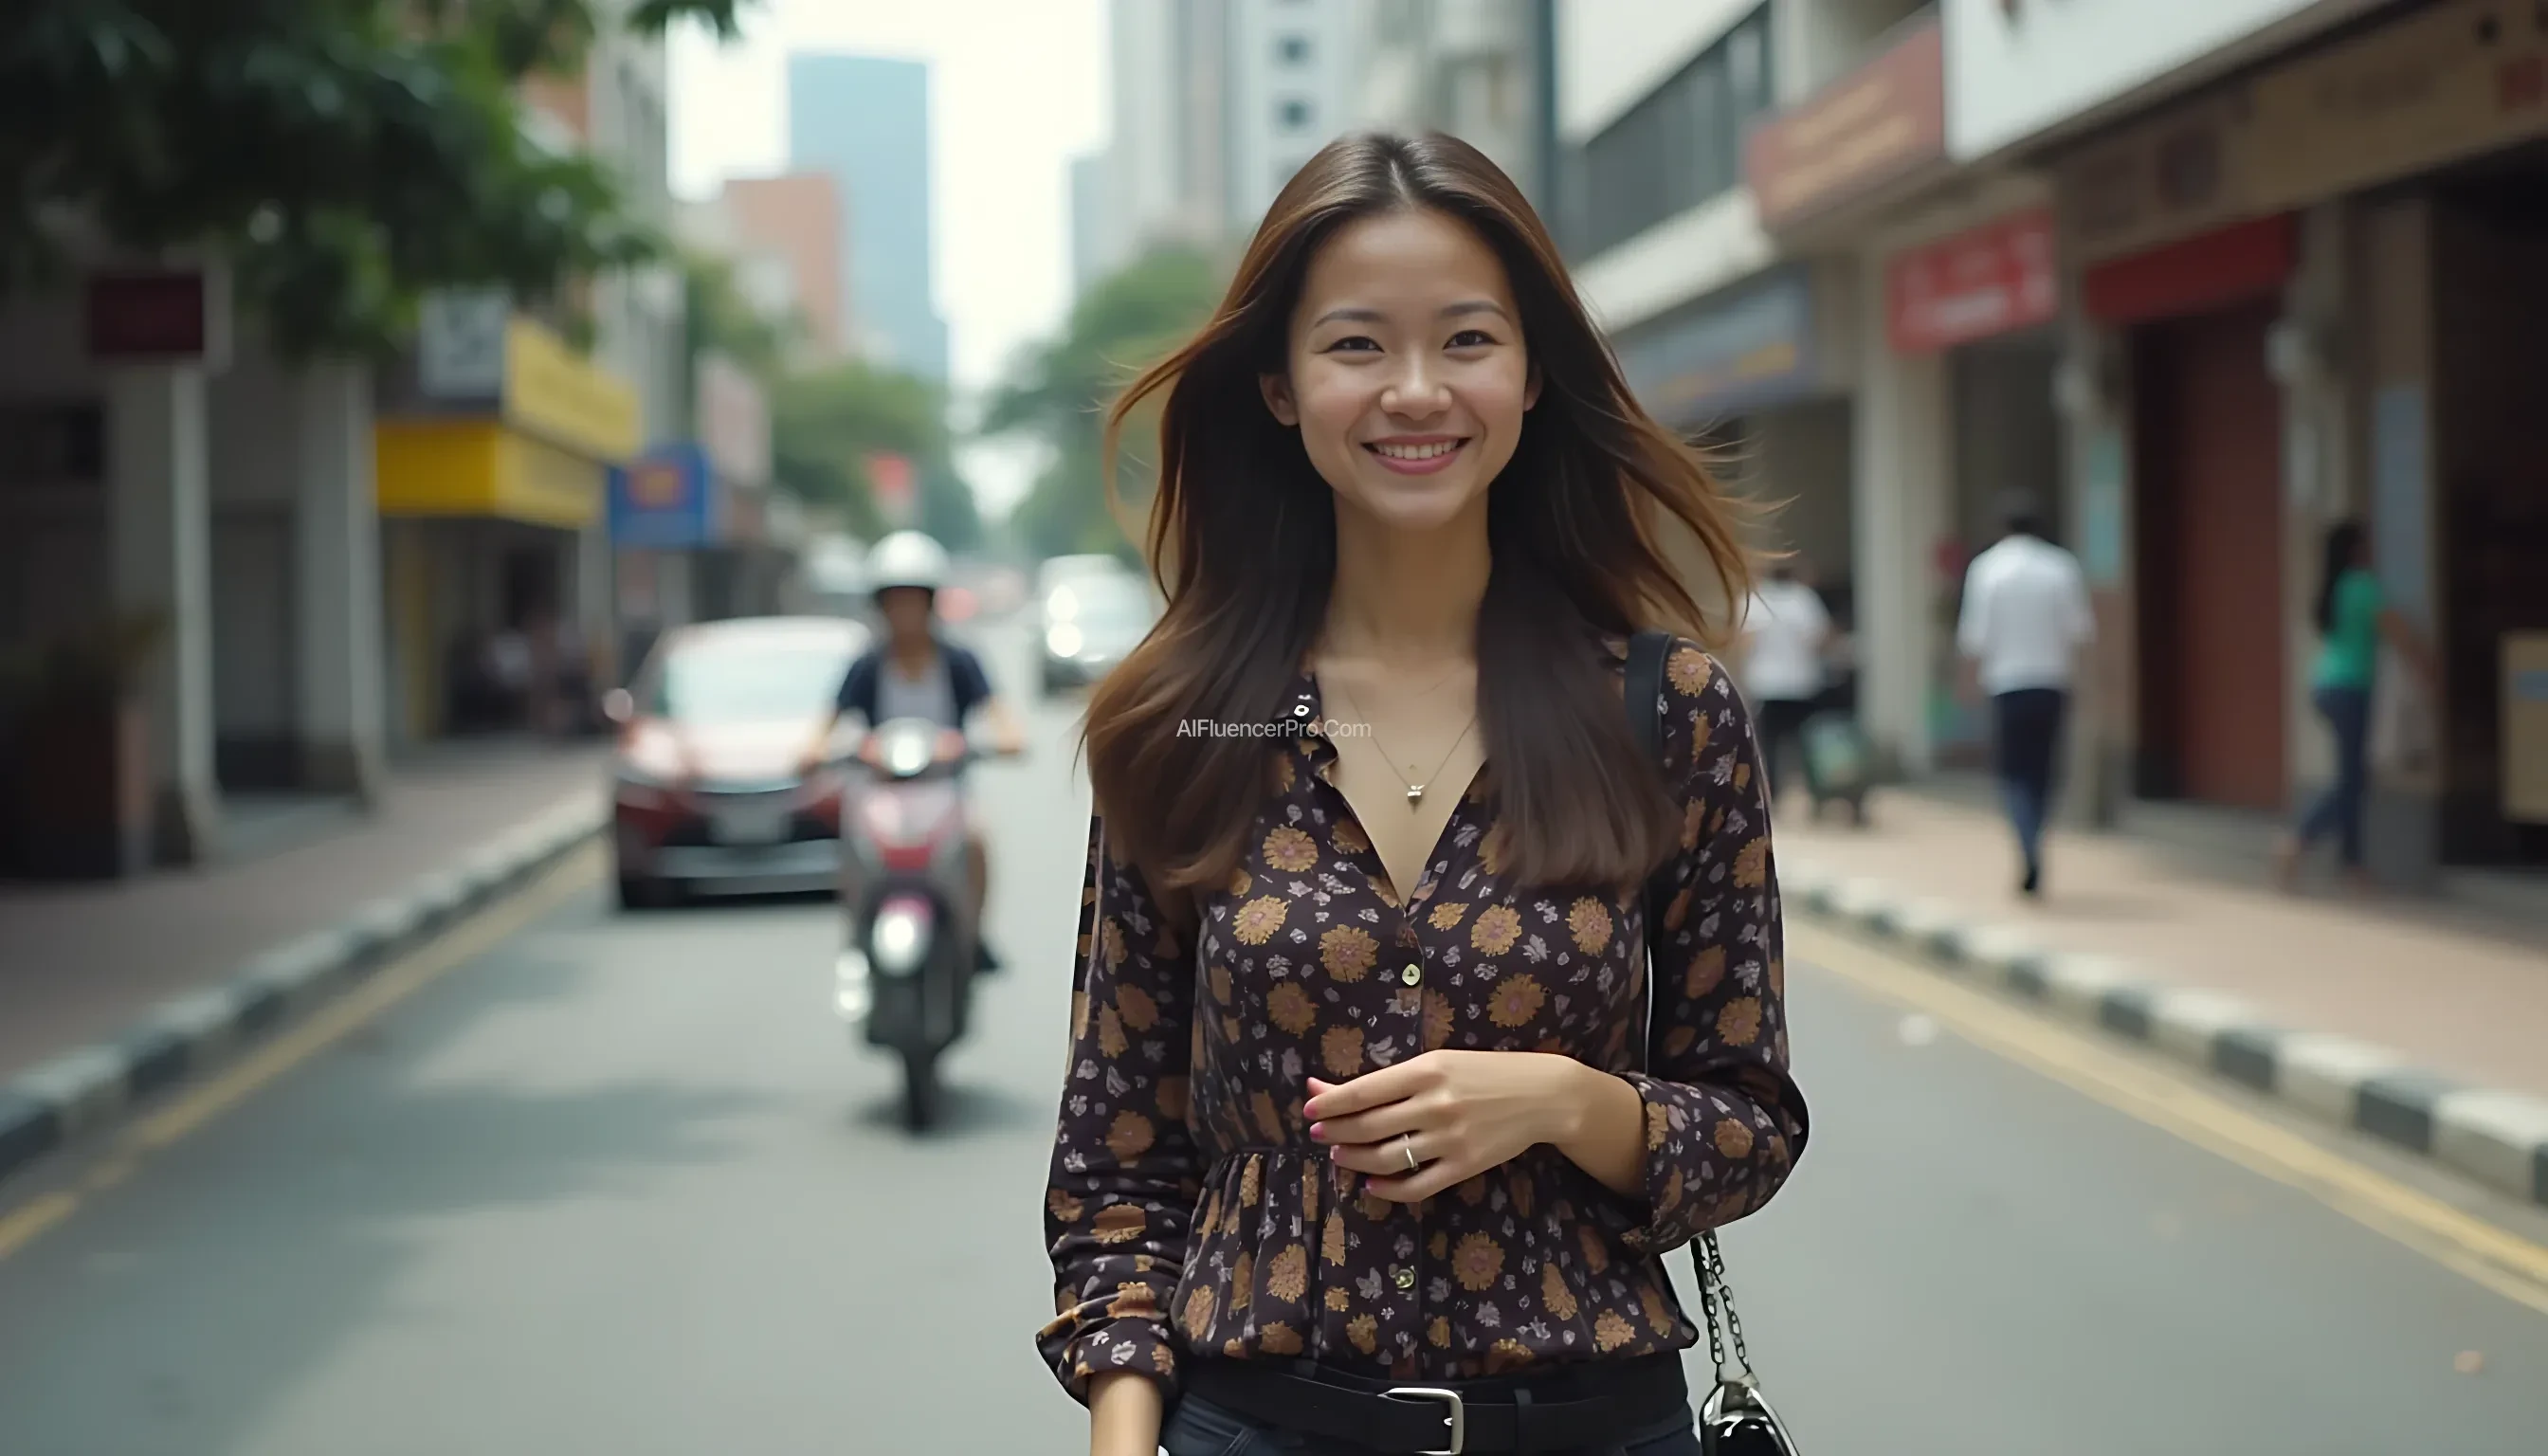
<point>665,499</point>
<point>1749,349</point>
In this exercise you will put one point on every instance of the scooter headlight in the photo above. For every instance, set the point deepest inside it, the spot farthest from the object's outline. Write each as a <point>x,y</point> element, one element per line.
<point>898,944</point>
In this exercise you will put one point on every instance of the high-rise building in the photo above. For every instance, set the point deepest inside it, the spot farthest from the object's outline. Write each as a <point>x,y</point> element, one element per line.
<point>798,218</point>
<point>864,121</point>
<point>1289,91</point>
<point>1478,69</point>
<point>1215,104</point>
<point>1087,218</point>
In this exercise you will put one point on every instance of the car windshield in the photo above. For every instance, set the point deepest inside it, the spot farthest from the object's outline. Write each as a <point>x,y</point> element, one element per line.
<point>732,682</point>
<point>1107,603</point>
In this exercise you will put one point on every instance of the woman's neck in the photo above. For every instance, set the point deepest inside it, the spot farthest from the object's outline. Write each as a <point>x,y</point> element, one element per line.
<point>1403,597</point>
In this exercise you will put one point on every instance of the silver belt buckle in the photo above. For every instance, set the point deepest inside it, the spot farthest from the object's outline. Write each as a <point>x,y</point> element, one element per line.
<point>1458,1419</point>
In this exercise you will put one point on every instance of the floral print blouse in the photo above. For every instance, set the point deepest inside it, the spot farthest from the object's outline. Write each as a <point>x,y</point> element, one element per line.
<point>1189,1214</point>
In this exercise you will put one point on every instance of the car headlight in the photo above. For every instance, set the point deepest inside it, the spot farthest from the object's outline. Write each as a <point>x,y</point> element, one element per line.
<point>651,760</point>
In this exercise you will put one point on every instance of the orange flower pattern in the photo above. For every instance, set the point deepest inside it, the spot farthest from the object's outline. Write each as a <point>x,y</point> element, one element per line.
<point>1188,1214</point>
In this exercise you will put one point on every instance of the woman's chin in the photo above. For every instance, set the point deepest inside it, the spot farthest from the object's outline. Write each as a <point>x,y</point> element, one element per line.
<point>1419,506</point>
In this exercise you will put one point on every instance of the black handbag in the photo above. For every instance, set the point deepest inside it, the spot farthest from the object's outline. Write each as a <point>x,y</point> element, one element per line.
<point>1736,1418</point>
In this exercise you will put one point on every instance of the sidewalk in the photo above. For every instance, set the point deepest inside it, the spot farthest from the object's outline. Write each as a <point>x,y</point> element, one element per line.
<point>80,964</point>
<point>2416,1002</point>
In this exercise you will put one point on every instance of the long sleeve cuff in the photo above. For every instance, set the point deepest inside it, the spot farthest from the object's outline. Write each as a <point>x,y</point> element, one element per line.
<point>1125,1328</point>
<point>1712,1155</point>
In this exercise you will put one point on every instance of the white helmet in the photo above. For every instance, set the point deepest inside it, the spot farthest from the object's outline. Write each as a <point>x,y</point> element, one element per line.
<point>907,559</point>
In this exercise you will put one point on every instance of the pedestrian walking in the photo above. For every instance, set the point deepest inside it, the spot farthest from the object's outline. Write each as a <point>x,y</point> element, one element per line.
<point>2024,617</point>
<point>2353,618</point>
<point>1785,633</point>
<point>1366,1136</point>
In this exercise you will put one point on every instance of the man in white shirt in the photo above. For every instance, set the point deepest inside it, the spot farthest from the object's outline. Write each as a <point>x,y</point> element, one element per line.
<point>2026,614</point>
<point>1784,632</point>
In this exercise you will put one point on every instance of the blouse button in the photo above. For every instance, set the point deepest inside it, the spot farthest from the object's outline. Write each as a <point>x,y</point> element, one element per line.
<point>1411,975</point>
<point>1405,1279</point>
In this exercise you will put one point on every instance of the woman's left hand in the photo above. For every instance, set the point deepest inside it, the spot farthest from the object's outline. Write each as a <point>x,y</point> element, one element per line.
<point>1461,1111</point>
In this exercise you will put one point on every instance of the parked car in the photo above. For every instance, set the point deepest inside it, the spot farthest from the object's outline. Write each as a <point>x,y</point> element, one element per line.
<point>1090,623</point>
<point>708,792</point>
<point>1057,570</point>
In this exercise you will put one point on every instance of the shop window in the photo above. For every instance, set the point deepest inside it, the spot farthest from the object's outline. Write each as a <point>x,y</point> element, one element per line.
<point>1678,147</point>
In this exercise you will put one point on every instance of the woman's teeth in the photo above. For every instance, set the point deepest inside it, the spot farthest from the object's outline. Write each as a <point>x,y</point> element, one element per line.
<point>1418,452</point>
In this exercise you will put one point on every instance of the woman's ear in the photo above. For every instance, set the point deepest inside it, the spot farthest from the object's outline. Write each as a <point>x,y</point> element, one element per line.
<point>1277,388</point>
<point>1530,388</point>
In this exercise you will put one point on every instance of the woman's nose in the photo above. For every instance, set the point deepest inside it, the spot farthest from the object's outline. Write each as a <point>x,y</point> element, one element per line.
<point>1417,389</point>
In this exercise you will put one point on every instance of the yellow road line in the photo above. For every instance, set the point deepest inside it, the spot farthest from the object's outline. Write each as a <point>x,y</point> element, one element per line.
<point>2494,1257</point>
<point>288,1048</point>
<point>23,1224</point>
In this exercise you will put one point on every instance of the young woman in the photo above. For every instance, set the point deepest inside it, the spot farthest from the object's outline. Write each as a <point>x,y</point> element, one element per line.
<point>1361,1094</point>
<point>2355,620</point>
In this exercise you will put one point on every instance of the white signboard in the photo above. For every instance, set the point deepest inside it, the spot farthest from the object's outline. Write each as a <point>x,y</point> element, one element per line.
<point>2018,68</point>
<point>460,343</point>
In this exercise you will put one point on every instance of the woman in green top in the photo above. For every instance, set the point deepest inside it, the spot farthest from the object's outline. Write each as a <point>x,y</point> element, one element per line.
<point>2353,618</point>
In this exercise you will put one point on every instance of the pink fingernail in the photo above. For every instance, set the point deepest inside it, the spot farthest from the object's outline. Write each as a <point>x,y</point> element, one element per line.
<point>1318,1131</point>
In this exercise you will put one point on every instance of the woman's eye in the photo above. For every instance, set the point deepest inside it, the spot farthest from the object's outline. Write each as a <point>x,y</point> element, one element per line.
<point>1471,338</point>
<point>1357,343</point>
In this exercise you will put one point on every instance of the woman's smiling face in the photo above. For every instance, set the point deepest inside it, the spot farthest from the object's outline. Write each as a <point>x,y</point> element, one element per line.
<point>1407,376</point>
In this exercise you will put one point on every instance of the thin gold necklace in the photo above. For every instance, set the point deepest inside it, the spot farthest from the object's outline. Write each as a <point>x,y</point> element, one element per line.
<point>1415,791</point>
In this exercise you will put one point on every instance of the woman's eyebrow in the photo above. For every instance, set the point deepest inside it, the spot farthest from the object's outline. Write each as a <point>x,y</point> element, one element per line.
<point>1449,310</point>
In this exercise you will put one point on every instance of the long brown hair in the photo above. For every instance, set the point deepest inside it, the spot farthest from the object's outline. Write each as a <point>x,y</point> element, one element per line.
<point>1241,540</point>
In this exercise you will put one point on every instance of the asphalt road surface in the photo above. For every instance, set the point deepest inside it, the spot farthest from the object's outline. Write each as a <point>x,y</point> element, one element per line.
<point>621,1184</point>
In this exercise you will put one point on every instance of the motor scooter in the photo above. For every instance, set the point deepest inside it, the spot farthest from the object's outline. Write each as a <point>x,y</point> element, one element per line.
<point>904,978</point>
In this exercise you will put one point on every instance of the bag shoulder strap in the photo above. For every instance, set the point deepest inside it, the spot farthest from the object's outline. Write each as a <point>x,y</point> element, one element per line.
<point>1643,693</point>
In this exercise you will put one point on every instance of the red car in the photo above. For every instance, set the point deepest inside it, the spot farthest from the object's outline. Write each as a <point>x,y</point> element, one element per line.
<point>709,790</point>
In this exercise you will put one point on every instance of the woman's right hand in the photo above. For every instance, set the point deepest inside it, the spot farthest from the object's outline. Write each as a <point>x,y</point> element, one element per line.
<point>1124,1414</point>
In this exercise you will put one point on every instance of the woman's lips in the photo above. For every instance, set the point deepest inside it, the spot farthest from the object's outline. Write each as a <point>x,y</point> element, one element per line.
<point>1423,465</point>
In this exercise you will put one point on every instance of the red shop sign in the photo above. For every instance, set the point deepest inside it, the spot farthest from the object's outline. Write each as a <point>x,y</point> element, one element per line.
<point>1994,279</point>
<point>149,317</point>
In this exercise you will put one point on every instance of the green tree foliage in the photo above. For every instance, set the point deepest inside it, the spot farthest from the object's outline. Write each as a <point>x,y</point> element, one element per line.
<point>1060,391</point>
<point>718,318</point>
<point>347,155</point>
<point>824,424</point>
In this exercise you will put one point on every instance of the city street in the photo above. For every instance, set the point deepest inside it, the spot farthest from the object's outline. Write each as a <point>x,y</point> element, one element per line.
<point>620,1184</point>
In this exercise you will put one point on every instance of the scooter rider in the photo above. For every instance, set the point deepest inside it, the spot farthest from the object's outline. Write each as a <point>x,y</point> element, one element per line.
<point>913,673</point>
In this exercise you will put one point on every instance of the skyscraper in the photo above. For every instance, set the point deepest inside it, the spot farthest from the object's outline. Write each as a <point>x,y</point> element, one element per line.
<point>864,121</point>
<point>797,218</point>
<point>1087,218</point>
<point>1215,104</point>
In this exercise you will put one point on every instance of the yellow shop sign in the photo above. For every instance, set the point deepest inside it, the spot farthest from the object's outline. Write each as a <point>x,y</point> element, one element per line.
<point>481,468</point>
<point>557,394</point>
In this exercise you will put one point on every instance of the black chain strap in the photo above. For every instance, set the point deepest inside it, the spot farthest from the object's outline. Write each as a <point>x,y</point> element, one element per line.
<point>1712,1289</point>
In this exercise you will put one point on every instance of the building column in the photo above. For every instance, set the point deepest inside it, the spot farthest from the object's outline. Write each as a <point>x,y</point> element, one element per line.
<point>2396,366</point>
<point>339,592</point>
<point>1900,447</point>
<point>2088,387</point>
<point>159,526</point>
<point>594,601</point>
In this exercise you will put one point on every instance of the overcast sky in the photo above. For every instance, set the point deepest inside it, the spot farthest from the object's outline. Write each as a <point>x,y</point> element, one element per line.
<point>1017,88</point>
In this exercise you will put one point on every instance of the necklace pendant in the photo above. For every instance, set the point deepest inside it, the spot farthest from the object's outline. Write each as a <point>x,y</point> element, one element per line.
<point>1415,794</point>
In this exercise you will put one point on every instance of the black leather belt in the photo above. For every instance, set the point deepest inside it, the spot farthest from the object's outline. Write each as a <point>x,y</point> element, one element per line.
<point>1579,1408</point>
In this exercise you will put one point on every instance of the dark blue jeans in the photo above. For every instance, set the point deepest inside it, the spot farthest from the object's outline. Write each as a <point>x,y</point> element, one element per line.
<point>2338,810</point>
<point>1198,1427</point>
<point>2028,733</point>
